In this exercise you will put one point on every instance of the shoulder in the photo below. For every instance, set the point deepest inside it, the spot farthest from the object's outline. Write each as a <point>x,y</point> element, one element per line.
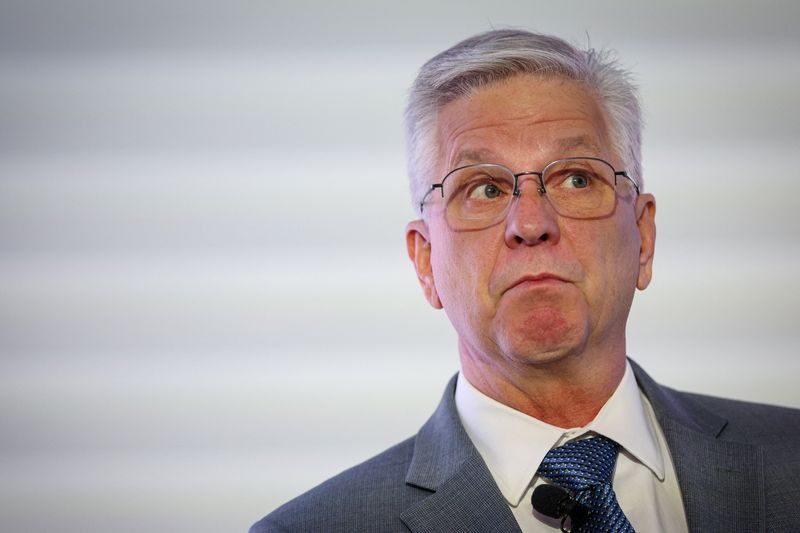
<point>366,497</point>
<point>721,418</point>
<point>774,432</point>
<point>749,422</point>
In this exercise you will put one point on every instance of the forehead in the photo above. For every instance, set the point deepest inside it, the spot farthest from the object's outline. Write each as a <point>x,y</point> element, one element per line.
<point>523,121</point>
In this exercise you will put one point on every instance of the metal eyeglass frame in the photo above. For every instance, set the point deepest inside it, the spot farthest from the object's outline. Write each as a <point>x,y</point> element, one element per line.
<point>542,190</point>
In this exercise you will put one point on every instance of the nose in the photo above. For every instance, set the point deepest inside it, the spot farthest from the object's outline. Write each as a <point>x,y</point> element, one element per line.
<point>531,220</point>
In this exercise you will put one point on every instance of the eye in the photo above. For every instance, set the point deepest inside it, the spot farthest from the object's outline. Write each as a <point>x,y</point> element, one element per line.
<point>577,180</point>
<point>479,185</point>
<point>488,190</point>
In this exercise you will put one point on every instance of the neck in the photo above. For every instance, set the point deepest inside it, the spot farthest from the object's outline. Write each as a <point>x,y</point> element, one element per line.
<point>565,392</point>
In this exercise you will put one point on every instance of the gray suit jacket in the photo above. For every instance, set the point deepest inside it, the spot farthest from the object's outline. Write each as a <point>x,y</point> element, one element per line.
<point>738,466</point>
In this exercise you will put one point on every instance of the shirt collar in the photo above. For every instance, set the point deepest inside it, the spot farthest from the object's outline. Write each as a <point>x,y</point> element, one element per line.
<point>513,444</point>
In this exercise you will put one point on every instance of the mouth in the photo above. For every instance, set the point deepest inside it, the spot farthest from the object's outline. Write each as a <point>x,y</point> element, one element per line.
<point>537,280</point>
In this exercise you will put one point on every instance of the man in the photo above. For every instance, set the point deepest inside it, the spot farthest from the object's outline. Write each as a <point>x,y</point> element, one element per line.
<point>534,232</point>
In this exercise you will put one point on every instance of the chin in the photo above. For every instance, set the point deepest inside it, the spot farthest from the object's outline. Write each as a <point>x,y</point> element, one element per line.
<point>544,336</point>
<point>538,355</point>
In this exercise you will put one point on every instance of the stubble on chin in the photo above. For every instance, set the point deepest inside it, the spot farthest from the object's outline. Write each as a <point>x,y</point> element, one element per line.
<point>539,332</point>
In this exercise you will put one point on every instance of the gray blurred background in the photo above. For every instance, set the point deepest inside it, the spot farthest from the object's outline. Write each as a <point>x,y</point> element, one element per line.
<point>205,302</point>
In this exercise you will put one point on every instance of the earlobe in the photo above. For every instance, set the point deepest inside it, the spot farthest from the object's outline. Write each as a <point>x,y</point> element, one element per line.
<point>646,222</point>
<point>419,251</point>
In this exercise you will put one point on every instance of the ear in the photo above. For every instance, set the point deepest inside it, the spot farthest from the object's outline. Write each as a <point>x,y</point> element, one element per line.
<point>419,251</point>
<point>646,221</point>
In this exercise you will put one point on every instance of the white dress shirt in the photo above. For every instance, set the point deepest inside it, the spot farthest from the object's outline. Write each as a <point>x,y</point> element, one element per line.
<point>513,445</point>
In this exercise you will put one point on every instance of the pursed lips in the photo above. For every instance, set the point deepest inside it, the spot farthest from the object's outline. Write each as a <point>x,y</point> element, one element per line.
<point>544,278</point>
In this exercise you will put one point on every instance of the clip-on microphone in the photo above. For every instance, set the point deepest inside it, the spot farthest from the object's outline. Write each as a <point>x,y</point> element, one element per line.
<point>556,502</point>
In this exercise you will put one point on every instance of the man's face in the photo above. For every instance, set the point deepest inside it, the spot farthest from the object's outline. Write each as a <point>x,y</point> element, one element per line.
<point>537,286</point>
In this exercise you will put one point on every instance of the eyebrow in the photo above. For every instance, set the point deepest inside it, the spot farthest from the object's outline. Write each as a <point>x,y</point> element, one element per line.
<point>470,157</point>
<point>581,141</point>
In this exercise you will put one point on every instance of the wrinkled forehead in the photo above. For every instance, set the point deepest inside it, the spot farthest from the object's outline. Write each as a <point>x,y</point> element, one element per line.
<point>522,120</point>
<point>569,146</point>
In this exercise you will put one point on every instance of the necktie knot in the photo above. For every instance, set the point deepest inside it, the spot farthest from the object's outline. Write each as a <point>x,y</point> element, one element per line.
<point>585,468</point>
<point>580,464</point>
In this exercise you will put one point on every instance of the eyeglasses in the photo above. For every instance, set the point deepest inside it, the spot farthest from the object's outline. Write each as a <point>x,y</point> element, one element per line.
<point>477,196</point>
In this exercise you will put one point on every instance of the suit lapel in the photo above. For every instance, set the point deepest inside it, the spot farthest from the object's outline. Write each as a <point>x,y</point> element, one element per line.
<point>721,482</point>
<point>467,502</point>
<point>464,496</point>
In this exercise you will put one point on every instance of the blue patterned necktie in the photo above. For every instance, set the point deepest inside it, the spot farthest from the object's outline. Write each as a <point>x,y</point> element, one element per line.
<point>584,468</point>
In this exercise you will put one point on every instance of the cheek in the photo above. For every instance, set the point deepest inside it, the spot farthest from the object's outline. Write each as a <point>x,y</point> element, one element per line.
<point>626,260</point>
<point>620,269</point>
<point>462,269</point>
<point>448,273</point>
<point>610,260</point>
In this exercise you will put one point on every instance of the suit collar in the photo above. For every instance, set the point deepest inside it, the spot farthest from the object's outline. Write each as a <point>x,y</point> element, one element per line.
<point>721,481</point>
<point>441,447</point>
<point>667,404</point>
<point>465,497</point>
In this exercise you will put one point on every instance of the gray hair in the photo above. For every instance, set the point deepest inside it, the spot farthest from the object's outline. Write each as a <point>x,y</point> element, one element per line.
<point>500,54</point>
